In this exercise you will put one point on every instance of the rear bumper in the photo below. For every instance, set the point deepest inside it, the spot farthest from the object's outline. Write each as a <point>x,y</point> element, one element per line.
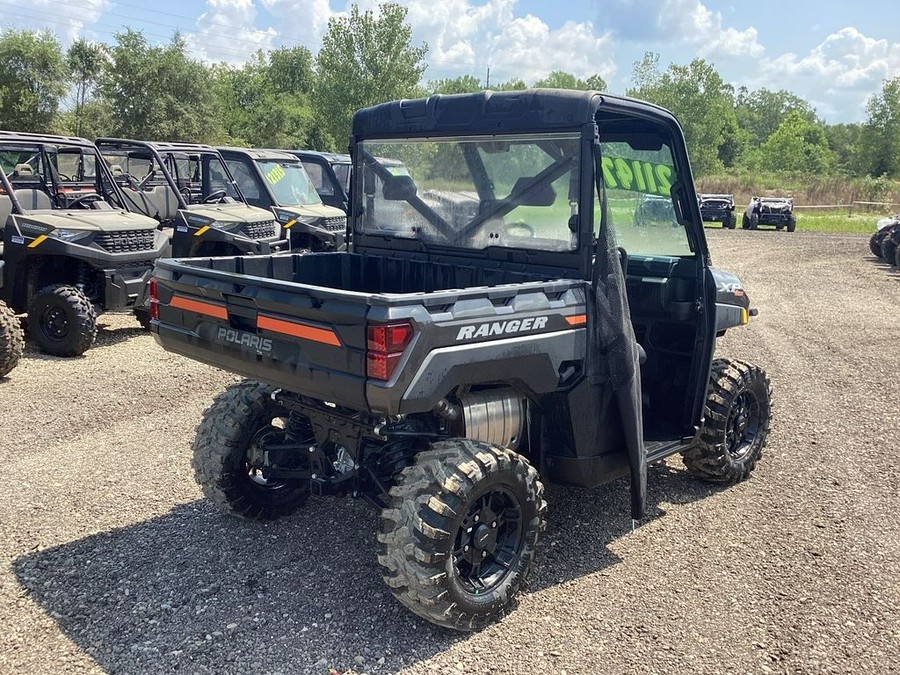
<point>716,215</point>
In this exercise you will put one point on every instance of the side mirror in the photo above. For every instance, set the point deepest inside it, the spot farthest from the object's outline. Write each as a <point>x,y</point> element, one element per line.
<point>399,188</point>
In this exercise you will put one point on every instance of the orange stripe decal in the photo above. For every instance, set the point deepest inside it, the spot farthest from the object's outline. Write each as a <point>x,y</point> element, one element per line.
<point>323,335</point>
<point>577,319</point>
<point>207,308</point>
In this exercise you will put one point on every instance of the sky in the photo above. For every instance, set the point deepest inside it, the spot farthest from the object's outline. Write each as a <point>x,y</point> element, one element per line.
<point>833,54</point>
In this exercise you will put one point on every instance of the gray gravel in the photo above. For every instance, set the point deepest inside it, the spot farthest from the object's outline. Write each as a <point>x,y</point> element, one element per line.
<point>113,562</point>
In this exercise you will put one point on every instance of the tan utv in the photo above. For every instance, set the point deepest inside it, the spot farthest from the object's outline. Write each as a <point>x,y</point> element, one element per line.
<point>72,246</point>
<point>188,189</point>
<point>276,180</point>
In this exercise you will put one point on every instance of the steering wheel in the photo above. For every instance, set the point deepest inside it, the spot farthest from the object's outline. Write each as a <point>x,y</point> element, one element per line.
<point>213,197</point>
<point>83,199</point>
<point>510,228</point>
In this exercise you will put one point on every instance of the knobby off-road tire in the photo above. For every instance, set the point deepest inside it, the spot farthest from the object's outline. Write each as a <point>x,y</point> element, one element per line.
<point>143,317</point>
<point>875,244</point>
<point>227,440</point>
<point>754,221</point>
<point>888,250</point>
<point>745,222</point>
<point>459,537</point>
<point>12,340</point>
<point>62,320</point>
<point>792,224</point>
<point>732,221</point>
<point>738,415</point>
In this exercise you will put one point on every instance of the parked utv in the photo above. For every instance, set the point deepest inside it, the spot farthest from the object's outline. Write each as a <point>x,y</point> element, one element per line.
<point>654,210</point>
<point>777,211</point>
<point>718,208</point>
<point>890,246</point>
<point>188,189</point>
<point>330,175</point>
<point>276,180</point>
<point>461,355</point>
<point>71,248</point>
<point>882,231</point>
<point>12,339</point>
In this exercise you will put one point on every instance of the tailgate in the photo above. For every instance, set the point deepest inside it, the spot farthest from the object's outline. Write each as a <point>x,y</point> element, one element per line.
<point>235,314</point>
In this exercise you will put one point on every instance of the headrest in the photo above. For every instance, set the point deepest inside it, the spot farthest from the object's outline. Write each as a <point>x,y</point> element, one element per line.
<point>116,169</point>
<point>24,170</point>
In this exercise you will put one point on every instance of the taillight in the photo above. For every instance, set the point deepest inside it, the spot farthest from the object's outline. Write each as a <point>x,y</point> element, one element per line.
<point>385,345</point>
<point>154,299</point>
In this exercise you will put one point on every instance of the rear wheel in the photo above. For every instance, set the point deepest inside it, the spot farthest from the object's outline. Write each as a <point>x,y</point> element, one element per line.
<point>228,454</point>
<point>732,221</point>
<point>12,340</point>
<point>62,320</point>
<point>737,418</point>
<point>460,534</point>
<point>875,244</point>
<point>745,222</point>
<point>754,221</point>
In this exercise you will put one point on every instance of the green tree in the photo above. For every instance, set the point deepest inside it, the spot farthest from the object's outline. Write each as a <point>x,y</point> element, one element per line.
<point>698,97</point>
<point>85,62</point>
<point>843,139</point>
<point>761,112</point>
<point>797,145</point>
<point>32,80</point>
<point>464,84</point>
<point>266,103</point>
<point>159,92</point>
<point>878,151</point>
<point>365,59</point>
<point>562,80</point>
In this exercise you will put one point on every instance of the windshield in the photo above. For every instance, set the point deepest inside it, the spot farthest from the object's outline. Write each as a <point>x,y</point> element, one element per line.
<point>289,183</point>
<point>342,173</point>
<point>519,191</point>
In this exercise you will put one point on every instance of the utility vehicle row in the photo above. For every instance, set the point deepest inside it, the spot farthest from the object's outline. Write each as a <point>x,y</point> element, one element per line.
<point>83,223</point>
<point>777,212</point>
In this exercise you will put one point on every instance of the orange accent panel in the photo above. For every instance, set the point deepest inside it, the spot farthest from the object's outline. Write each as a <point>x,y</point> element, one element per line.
<point>323,335</point>
<point>577,319</point>
<point>207,308</point>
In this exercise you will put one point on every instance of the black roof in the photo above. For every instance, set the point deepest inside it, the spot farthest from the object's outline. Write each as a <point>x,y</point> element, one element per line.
<point>505,112</point>
<point>160,146</point>
<point>259,153</point>
<point>43,139</point>
<point>330,157</point>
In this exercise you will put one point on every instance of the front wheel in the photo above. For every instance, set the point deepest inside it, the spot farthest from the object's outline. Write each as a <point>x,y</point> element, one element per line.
<point>875,244</point>
<point>737,418</point>
<point>792,224</point>
<point>12,340</point>
<point>745,222</point>
<point>62,320</point>
<point>460,534</point>
<point>229,454</point>
<point>888,250</point>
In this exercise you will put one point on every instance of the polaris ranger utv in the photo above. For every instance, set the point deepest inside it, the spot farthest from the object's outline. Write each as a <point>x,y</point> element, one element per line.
<point>71,248</point>
<point>276,180</point>
<point>718,208</point>
<point>469,349</point>
<point>777,211</point>
<point>187,188</point>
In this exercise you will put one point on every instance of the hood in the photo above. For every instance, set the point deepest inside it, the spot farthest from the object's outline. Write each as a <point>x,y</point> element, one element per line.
<point>887,222</point>
<point>89,221</point>
<point>312,211</point>
<point>230,213</point>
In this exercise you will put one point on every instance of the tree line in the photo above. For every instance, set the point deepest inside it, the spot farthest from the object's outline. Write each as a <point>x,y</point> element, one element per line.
<point>290,97</point>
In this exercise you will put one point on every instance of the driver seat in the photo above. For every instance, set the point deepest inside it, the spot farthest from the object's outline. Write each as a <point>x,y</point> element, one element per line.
<point>33,200</point>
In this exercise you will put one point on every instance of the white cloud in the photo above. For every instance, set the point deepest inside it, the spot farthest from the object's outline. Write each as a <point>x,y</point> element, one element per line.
<point>227,32</point>
<point>68,21</point>
<point>838,75</point>
<point>691,22</point>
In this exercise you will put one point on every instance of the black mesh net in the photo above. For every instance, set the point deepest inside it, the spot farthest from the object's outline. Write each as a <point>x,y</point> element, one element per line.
<point>614,361</point>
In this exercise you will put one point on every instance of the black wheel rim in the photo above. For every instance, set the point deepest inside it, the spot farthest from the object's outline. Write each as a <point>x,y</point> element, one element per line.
<point>254,460</point>
<point>54,323</point>
<point>489,541</point>
<point>743,425</point>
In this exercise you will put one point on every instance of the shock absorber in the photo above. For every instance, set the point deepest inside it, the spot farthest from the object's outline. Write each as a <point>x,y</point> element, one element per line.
<point>82,276</point>
<point>298,427</point>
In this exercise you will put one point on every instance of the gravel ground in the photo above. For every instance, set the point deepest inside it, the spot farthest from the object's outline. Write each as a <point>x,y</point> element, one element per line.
<point>113,563</point>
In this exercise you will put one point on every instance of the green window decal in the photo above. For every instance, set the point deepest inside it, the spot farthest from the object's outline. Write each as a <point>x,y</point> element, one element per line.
<point>637,175</point>
<point>275,175</point>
